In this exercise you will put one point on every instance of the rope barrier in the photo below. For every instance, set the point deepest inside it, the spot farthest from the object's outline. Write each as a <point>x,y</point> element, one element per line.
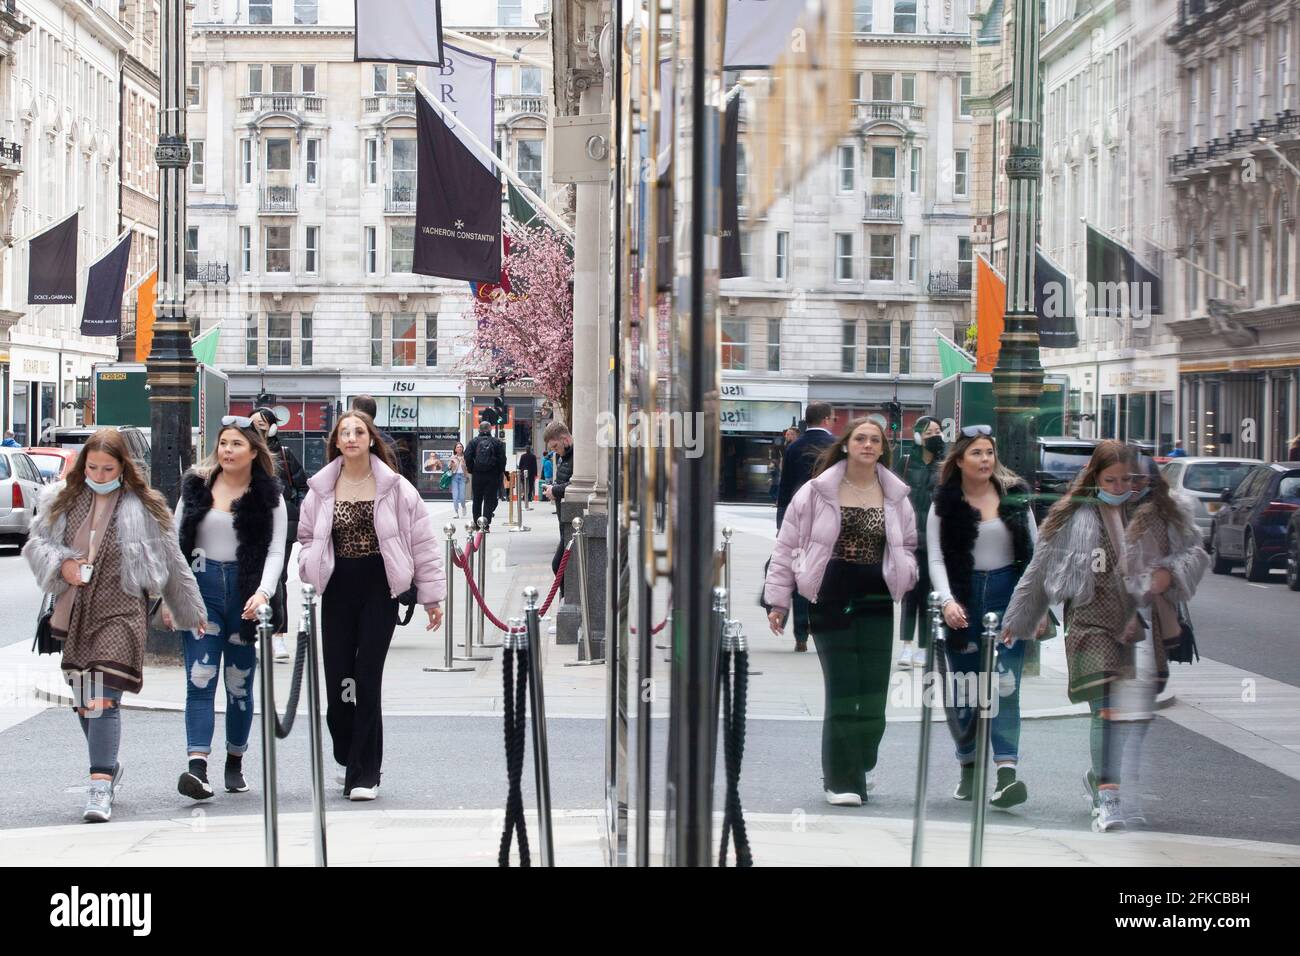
<point>461,560</point>
<point>733,743</point>
<point>514,690</point>
<point>285,727</point>
<point>656,629</point>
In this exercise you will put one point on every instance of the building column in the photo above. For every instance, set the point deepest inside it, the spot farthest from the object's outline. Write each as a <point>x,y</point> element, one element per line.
<point>943,142</point>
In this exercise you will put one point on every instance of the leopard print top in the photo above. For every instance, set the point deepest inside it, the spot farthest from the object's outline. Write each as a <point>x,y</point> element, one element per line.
<point>354,529</point>
<point>862,535</point>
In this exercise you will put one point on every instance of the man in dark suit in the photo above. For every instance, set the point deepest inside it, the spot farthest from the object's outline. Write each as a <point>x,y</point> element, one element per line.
<point>796,469</point>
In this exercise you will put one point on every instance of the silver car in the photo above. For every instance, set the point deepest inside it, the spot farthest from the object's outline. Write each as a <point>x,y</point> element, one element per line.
<point>20,486</point>
<point>1202,481</point>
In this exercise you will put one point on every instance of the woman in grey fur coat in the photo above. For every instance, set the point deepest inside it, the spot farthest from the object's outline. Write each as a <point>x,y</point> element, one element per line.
<point>102,546</point>
<point>1080,561</point>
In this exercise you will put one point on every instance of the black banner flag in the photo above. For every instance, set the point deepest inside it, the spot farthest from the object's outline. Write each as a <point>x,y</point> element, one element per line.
<point>102,314</point>
<point>52,265</point>
<point>731,265</point>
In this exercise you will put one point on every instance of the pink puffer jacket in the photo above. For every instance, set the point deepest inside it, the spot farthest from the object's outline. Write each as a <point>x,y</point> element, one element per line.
<point>408,540</point>
<point>812,526</point>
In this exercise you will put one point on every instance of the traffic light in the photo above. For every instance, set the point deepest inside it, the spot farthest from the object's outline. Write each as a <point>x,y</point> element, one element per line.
<point>488,415</point>
<point>894,411</point>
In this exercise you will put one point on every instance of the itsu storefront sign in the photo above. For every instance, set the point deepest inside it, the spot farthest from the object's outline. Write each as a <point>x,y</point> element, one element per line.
<point>755,416</point>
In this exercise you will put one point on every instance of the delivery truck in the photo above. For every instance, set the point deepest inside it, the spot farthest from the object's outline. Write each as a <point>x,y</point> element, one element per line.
<point>121,397</point>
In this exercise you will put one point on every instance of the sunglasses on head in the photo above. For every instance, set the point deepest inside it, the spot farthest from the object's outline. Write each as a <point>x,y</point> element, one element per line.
<point>971,431</point>
<point>239,421</point>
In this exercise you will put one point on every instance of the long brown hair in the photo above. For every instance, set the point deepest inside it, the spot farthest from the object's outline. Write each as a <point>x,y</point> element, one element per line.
<point>109,441</point>
<point>261,453</point>
<point>1084,487</point>
<point>1158,497</point>
<point>836,451</point>
<point>1003,477</point>
<point>378,447</point>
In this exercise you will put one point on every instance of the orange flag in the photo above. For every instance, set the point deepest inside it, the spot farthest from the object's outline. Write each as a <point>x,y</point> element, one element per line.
<point>990,307</point>
<point>145,297</point>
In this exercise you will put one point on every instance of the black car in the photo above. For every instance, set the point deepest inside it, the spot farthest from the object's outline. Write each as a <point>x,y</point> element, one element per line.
<point>1060,459</point>
<point>1251,527</point>
<point>1293,552</point>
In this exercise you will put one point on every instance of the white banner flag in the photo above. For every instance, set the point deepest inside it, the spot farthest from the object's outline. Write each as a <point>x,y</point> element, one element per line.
<point>759,31</point>
<point>466,85</point>
<point>399,31</point>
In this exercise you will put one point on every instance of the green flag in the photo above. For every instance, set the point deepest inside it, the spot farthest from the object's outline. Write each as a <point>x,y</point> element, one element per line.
<point>953,359</point>
<point>521,210</point>
<point>205,346</point>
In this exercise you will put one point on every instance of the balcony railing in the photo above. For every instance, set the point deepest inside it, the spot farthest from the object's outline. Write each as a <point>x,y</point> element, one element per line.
<point>400,200</point>
<point>11,152</point>
<point>388,103</point>
<point>888,110</point>
<point>279,199</point>
<point>521,103</point>
<point>883,207</point>
<point>281,103</point>
<point>950,284</point>
<point>207,272</point>
<point>1284,125</point>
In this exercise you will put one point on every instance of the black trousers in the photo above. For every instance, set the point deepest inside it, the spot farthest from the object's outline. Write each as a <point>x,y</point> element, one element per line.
<point>486,490</point>
<point>916,606</point>
<point>358,618</point>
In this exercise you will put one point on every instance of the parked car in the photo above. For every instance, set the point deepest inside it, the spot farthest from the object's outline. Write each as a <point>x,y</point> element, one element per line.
<point>1293,552</point>
<point>1251,526</point>
<point>1060,458</point>
<point>1201,481</point>
<point>20,486</point>
<point>53,463</point>
<point>137,440</point>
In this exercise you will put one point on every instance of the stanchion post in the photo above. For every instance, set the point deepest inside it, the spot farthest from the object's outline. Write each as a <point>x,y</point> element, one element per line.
<point>469,598</point>
<point>270,813</point>
<point>449,607</point>
<point>541,759</point>
<point>313,726</point>
<point>927,706</point>
<point>986,693</point>
<point>580,540</point>
<point>727,532</point>
<point>482,641</point>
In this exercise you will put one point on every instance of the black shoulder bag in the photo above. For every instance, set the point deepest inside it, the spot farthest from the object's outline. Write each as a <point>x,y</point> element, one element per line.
<point>45,642</point>
<point>1183,649</point>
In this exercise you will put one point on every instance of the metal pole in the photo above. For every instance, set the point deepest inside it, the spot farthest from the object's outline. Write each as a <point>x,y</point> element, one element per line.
<point>469,598</point>
<point>449,617</point>
<point>270,813</point>
<point>313,726</point>
<point>923,752</point>
<point>986,693</point>
<point>171,362</point>
<point>541,761</point>
<point>482,643</point>
<point>726,564</point>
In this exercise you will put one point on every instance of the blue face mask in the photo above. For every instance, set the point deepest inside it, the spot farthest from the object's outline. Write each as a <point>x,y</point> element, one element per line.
<point>1139,495</point>
<point>104,487</point>
<point>1111,499</point>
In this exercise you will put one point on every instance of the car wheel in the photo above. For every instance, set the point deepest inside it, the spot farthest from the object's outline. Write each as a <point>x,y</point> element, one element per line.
<point>1256,566</point>
<point>1220,566</point>
<point>1293,561</point>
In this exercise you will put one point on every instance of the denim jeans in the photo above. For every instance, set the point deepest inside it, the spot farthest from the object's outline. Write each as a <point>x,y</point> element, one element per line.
<point>458,490</point>
<point>102,726</point>
<point>990,591</point>
<point>219,586</point>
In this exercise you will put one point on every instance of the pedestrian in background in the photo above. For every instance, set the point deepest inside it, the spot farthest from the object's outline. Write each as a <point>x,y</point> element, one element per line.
<point>101,544</point>
<point>559,442</point>
<point>1293,454</point>
<point>402,452</point>
<point>982,532</point>
<point>919,467</point>
<point>293,482</point>
<point>231,520</point>
<point>1079,560</point>
<point>797,465</point>
<point>1178,450</point>
<point>366,539</point>
<point>456,465</point>
<point>848,546</point>
<point>1165,565</point>
<point>9,441</point>
<point>485,460</point>
<point>528,476</point>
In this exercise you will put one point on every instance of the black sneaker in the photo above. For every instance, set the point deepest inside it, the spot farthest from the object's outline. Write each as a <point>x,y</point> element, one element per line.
<point>965,786</point>
<point>235,782</point>
<point>1010,792</point>
<point>193,783</point>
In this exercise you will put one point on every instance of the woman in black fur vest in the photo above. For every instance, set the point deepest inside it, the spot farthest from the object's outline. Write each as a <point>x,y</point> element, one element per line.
<point>232,520</point>
<point>981,536</point>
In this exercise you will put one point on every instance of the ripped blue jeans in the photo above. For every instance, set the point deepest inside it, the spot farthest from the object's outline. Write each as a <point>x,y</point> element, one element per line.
<point>218,652</point>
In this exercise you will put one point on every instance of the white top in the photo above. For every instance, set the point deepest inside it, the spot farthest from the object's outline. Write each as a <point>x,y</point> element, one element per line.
<point>993,549</point>
<point>216,539</point>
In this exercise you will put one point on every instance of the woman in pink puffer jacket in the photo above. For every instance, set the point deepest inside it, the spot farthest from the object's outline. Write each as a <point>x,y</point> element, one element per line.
<point>848,544</point>
<point>366,539</point>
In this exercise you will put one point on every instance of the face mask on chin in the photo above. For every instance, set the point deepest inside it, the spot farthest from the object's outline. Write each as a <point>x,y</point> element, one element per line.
<point>104,487</point>
<point>1107,498</point>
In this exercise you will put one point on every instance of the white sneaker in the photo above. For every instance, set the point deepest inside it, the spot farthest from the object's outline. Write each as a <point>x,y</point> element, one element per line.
<point>905,656</point>
<point>99,803</point>
<point>918,657</point>
<point>837,799</point>
<point>364,793</point>
<point>341,777</point>
<point>870,784</point>
<point>550,628</point>
<point>278,650</point>
<point>1109,816</point>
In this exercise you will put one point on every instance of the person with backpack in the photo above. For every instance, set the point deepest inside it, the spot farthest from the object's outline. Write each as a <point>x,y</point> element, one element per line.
<point>293,481</point>
<point>485,459</point>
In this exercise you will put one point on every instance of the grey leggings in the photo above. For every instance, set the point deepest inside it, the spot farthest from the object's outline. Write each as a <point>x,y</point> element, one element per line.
<point>103,728</point>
